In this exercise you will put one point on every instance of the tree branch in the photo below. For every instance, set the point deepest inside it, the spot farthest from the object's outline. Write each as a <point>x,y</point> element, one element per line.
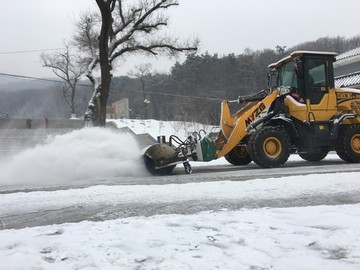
<point>138,23</point>
<point>151,49</point>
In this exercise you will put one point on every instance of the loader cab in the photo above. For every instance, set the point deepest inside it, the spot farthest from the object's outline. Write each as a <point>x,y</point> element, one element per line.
<point>310,75</point>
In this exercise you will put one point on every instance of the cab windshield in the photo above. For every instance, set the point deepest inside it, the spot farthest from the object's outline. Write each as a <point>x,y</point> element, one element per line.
<point>287,76</point>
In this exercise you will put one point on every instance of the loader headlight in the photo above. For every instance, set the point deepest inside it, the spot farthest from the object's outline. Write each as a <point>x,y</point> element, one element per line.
<point>284,90</point>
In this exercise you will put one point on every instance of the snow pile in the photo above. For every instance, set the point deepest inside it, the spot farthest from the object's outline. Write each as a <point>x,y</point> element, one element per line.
<point>156,128</point>
<point>311,238</point>
<point>91,153</point>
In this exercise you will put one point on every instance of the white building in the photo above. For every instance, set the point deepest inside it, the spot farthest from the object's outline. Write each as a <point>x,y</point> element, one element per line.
<point>347,69</point>
<point>118,110</point>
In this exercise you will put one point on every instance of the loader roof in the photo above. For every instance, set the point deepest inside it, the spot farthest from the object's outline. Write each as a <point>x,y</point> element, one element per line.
<point>297,54</point>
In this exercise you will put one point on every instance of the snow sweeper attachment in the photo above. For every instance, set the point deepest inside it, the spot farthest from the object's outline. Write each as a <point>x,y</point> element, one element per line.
<point>302,112</point>
<point>162,157</point>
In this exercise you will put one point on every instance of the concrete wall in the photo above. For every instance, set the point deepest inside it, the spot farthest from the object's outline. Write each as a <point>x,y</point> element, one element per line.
<point>20,123</point>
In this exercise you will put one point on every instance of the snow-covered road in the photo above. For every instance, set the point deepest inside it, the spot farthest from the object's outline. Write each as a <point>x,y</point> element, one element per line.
<point>102,202</point>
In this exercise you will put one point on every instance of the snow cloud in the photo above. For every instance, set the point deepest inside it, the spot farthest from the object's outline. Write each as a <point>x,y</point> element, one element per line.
<point>84,154</point>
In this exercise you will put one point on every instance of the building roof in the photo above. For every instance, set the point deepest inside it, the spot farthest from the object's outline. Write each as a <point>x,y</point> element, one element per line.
<point>353,52</point>
<point>348,80</point>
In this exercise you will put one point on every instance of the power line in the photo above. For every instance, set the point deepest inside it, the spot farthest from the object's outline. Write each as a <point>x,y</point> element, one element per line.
<point>37,79</point>
<point>31,51</point>
<point>28,77</point>
<point>87,85</point>
<point>181,96</point>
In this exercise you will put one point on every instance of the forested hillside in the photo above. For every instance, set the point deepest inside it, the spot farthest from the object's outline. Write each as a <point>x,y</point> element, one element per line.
<point>192,90</point>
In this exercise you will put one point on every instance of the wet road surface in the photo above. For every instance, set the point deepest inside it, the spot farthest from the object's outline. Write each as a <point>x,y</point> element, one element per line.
<point>77,213</point>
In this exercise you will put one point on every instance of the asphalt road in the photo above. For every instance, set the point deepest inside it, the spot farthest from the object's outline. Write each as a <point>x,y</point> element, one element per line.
<point>207,174</point>
<point>77,213</point>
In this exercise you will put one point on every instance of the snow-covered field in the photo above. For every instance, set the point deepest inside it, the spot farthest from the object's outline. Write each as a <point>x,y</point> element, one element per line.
<point>312,237</point>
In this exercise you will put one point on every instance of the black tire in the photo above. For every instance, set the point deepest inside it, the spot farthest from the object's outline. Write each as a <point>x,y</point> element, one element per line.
<point>348,143</point>
<point>150,166</point>
<point>238,156</point>
<point>314,156</point>
<point>269,147</point>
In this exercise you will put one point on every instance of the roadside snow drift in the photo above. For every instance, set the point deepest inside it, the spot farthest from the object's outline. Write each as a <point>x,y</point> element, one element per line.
<point>90,153</point>
<point>311,238</point>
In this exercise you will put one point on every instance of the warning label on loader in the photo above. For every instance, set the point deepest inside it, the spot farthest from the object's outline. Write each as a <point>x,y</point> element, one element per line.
<point>346,96</point>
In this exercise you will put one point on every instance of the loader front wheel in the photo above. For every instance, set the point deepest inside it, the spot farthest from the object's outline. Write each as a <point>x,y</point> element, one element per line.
<point>238,156</point>
<point>269,147</point>
<point>348,143</point>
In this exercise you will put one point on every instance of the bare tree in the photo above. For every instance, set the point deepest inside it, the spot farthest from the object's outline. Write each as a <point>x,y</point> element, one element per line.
<point>143,73</point>
<point>66,66</point>
<point>123,27</point>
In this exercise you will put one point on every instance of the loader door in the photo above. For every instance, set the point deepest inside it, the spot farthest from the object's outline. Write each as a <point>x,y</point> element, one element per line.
<point>317,77</point>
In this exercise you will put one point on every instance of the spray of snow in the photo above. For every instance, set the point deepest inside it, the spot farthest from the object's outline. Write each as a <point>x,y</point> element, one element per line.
<point>92,153</point>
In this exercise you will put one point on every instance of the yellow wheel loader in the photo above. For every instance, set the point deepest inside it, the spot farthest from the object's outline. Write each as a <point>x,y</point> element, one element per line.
<point>301,112</point>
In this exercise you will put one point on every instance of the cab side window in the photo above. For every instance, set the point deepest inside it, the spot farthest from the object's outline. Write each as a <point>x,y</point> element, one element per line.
<point>316,79</point>
<point>317,73</point>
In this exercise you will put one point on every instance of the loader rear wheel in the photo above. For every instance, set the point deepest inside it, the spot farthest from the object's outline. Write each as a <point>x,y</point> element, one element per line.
<point>269,147</point>
<point>314,156</point>
<point>348,143</point>
<point>238,156</point>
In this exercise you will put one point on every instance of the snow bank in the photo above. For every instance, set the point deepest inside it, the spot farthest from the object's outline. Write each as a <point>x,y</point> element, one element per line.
<point>82,154</point>
<point>311,238</point>
<point>156,128</point>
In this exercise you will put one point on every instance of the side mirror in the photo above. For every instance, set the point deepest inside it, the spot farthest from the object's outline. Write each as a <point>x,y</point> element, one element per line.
<point>284,91</point>
<point>272,78</point>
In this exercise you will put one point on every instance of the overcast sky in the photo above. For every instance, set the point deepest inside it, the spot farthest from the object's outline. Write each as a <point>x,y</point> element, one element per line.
<point>227,26</point>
